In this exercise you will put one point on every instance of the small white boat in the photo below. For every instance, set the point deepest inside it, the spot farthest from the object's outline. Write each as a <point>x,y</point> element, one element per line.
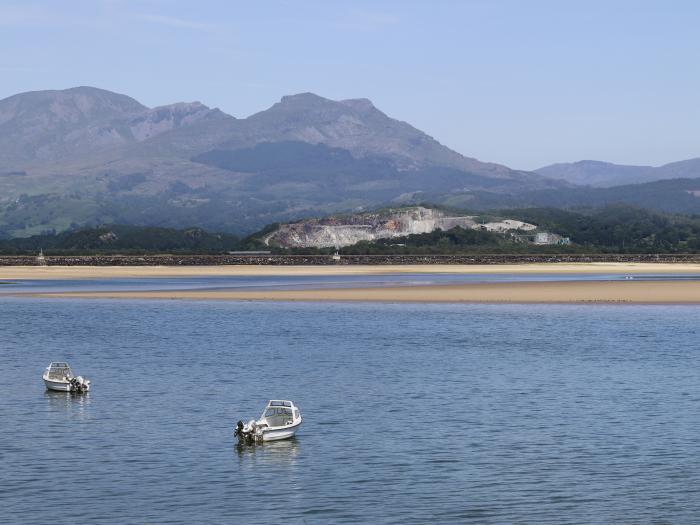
<point>280,420</point>
<point>58,376</point>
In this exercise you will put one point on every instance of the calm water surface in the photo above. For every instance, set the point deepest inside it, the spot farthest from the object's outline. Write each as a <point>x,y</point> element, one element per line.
<point>412,413</point>
<point>311,282</point>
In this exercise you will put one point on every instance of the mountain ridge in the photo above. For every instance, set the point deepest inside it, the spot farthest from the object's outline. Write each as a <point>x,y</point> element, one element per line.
<point>602,174</point>
<point>90,156</point>
<point>87,156</point>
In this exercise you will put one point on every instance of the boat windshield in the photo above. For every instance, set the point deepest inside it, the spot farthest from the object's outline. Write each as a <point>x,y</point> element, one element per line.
<point>59,371</point>
<point>278,411</point>
<point>278,416</point>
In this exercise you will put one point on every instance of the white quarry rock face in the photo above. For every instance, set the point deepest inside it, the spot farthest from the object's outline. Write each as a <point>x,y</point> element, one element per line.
<point>508,224</point>
<point>345,231</point>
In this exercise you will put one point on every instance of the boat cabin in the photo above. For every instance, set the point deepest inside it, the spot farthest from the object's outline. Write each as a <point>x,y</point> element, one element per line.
<point>280,413</point>
<point>58,371</point>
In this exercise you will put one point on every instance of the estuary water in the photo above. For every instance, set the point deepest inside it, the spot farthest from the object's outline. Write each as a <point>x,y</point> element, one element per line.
<point>258,282</point>
<point>412,413</point>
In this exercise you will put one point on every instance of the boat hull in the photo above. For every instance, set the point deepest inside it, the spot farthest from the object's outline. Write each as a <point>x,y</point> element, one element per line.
<point>58,386</point>
<point>276,434</point>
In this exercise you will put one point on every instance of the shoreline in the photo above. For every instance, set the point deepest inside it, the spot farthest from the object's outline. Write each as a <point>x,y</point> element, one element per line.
<point>562,292</point>
<point>13,273</point>
<point>277,260</point>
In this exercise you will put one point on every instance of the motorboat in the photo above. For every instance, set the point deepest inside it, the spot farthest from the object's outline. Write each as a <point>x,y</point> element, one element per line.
<point>58,376</point>
<point>280,420</point>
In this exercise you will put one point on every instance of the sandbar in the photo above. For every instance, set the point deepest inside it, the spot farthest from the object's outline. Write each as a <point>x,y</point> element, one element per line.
<point>106,272</point>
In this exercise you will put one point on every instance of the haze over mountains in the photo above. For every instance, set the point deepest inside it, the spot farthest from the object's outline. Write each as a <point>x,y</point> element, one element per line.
<point>86,156</point>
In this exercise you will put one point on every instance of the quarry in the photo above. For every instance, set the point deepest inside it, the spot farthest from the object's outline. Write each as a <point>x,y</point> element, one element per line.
<point>340,231</point>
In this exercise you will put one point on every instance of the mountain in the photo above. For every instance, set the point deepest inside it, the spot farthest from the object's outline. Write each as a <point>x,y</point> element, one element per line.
<point>604,174</point>
<point>86,156</point>
<point>357,126</point>
<point>670,196</point>
<point>45,129</point>
<point>49,125</point>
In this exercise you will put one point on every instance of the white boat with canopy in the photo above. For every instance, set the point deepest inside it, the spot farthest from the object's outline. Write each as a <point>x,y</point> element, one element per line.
<point>58,376</point>
<point>280,420</point>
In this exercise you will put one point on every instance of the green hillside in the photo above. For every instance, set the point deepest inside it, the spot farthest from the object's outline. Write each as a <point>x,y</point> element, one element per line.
<point>122,239</point>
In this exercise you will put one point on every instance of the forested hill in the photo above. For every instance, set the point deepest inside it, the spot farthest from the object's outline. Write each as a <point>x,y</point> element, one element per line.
<point>123,239</point>
<point>614,229</point>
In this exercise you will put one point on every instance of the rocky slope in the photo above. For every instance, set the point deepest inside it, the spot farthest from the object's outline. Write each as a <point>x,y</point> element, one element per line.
<point>347,230</point>
<point>357,126</point>
<point>50,125</point>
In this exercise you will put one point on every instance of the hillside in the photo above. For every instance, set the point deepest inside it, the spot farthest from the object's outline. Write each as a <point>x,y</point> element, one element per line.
<point>401,231</point>
<point>86,156</point>
<point>668,196</point>
<point>612,229</point>
<point>122,239</point>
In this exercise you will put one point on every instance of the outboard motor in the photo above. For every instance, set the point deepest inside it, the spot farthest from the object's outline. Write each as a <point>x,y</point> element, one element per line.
<point>79,385</point>
<point>246,433</point>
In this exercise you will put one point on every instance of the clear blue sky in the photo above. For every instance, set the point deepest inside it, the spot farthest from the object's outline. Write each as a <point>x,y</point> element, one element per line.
<point>520,82</point>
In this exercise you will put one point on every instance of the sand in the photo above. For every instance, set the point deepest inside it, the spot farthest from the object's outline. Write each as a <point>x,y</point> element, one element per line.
<point>640,292</point>
<point>631,291</point>
<point>104,272</point>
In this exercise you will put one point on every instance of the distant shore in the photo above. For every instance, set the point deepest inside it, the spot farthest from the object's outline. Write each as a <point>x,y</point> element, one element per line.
<point>105,272</point>
<point>633,292</point>
<point>178,260</point>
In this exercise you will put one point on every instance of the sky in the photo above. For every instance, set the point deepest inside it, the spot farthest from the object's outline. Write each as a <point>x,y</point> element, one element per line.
<point>524,83</point>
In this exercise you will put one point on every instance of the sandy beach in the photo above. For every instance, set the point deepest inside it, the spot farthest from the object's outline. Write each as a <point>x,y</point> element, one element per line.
<point>105,272</point>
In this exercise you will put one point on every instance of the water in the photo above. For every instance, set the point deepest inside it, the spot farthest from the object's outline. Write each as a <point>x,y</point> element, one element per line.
<point>311,282</point>
<point>412,413</point>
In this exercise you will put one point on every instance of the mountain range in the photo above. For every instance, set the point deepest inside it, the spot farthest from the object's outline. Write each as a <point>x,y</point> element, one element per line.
<point>605,174</point>
<point>86,156</point>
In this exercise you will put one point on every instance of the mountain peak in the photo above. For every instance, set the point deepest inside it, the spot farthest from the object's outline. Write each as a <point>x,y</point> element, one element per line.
<point>355,125</point>
<point>361,104</point>
<point>183,107</point>
<point>69,105</point>
<point>310,100</point>
<point>88,90</point>
<point>303,99</point>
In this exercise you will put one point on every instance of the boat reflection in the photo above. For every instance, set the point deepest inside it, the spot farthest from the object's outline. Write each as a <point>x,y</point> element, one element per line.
<point>68,403</point>
<point>271,453</point>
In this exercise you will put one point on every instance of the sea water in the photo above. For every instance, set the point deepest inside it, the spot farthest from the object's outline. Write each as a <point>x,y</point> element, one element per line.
<point>413,413</point>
